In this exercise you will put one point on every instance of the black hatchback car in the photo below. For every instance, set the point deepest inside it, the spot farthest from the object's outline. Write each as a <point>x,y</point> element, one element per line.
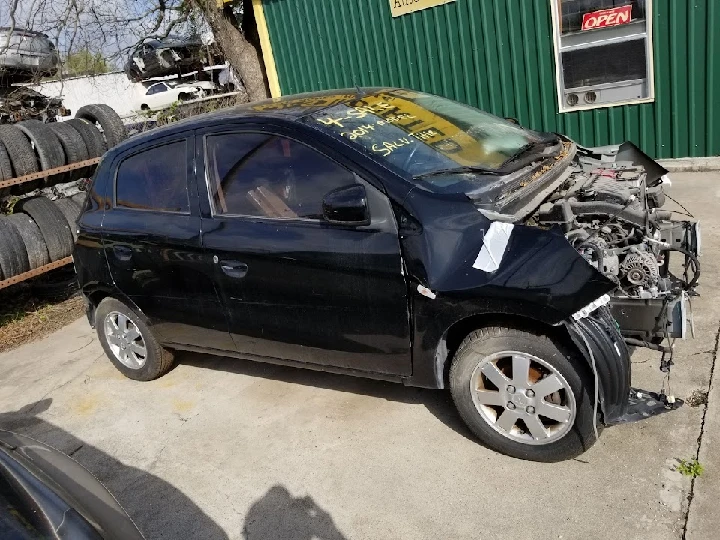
<point>383,233</point>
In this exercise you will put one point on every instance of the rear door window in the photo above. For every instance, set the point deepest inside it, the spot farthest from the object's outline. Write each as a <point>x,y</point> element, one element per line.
<point>154,179</point>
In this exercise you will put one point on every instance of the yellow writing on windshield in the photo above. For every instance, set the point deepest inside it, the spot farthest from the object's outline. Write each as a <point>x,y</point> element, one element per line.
<point>423,125</point>
<point>388,147</point>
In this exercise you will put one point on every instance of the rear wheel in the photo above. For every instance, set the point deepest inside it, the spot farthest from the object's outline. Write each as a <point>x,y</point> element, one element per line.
<point>129,342</point>
<point>523,394</point>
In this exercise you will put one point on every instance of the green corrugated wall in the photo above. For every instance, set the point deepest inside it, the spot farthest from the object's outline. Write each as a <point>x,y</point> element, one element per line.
<point>498,55</point>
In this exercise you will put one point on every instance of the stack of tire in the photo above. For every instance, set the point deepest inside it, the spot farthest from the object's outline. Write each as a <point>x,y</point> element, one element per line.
<point>38,232</point>
<point>41,231</point>
<point>31,146</point>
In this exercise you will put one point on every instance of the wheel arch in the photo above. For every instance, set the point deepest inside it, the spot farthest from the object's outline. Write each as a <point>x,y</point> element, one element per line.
<point>455,334</point>
<point>613,370</point>
<point>94,294</point>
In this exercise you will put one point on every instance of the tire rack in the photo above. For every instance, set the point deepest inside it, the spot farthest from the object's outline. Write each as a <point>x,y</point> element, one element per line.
<point>28,178</point>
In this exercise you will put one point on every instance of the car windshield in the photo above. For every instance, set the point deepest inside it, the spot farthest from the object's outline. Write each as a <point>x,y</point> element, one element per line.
<point>422,134</point>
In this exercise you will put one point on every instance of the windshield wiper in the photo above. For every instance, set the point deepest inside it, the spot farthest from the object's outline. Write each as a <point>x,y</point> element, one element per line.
<point>532,149</point>
<point>458,170</point>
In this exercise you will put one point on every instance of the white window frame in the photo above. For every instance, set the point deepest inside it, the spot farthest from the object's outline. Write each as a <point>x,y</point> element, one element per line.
<point>559,82</point>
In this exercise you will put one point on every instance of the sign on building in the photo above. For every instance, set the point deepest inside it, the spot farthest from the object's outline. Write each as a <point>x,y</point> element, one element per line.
<point>607,17</point>
<point>402,7</point>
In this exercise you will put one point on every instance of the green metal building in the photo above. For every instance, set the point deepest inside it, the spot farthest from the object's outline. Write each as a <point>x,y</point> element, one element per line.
<point>600,71</point>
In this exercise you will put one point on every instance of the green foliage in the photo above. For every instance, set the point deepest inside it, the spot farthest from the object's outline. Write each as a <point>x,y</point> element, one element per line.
<point>85,63</point>
<point>691,468</point>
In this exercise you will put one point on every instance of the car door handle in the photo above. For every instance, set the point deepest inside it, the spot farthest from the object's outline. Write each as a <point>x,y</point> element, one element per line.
<point>122,253</point>
<point>234,269</point>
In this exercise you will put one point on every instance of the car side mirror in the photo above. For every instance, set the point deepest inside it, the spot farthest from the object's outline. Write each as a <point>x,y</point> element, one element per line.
<point>346,205</point>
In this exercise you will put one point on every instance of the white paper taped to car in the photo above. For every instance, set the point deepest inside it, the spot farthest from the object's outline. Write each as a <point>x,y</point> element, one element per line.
<point>494,246</point>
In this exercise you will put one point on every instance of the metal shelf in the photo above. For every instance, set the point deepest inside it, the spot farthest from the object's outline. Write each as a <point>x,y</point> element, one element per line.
<point>33,273</point>
<point>49,172</point>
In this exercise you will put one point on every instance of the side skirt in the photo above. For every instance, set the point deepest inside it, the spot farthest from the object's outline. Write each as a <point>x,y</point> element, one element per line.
<point>290,363</point>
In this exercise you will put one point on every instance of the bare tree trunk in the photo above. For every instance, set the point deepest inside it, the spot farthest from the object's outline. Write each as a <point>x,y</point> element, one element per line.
<point>244,56</point>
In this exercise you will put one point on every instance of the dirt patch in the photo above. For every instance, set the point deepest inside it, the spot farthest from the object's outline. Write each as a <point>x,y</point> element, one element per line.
<point>25,317</point>
<point>697,398</point>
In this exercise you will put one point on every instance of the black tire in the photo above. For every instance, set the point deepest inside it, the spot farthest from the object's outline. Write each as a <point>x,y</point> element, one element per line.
<point>71,211</point>
<point>52,224</point>
<point>32,238</point>
<point>73,146</point>
<point>6,172</point>
<point>56,285</point>
<point>13,256</point>
<point>22,157</point>
<point>80,199</point>
<point>47,147</point>
<point>158,360</point>
<point>481,345</point>
<point>112,126</point>
<point>91,136</point>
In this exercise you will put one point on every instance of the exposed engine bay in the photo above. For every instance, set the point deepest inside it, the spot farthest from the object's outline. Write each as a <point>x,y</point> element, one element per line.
<point>611,208</point>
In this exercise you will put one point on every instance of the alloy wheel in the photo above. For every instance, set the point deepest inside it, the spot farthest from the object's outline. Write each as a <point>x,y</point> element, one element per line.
<point>125,340</point>
<point>523,397</point>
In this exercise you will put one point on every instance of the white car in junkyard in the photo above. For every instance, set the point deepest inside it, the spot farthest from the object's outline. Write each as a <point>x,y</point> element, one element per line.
<point>162,94</point>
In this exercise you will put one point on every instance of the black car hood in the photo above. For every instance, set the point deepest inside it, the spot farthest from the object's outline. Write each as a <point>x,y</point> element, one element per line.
<point>55,496</point>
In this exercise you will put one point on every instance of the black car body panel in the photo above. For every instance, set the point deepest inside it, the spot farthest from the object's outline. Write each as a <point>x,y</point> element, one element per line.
<point>377,300</point>
<point>47,494</point>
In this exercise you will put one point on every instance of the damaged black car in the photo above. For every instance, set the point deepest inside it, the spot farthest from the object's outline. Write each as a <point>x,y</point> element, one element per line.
<point>163,57</point>
<point>395,235</point>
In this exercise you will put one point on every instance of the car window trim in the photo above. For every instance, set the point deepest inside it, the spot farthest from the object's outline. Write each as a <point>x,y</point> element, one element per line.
<point>186,140</point>
<point>214,214</point>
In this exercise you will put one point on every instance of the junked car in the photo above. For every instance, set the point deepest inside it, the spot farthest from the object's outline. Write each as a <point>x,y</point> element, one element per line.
<point>161,95</point>
<point>161,57</point>
<point>26,54</point>
<point>389,234</point>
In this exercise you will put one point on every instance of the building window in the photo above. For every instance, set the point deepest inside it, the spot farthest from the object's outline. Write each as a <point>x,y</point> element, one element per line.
<point>603,52</point>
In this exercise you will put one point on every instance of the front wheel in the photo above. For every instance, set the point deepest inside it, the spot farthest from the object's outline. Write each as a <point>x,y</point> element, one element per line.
<point>524,394</point>
<point>129,343</point>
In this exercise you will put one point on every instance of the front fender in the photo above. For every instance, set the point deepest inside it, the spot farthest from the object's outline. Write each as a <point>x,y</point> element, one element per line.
<point>536,275</point>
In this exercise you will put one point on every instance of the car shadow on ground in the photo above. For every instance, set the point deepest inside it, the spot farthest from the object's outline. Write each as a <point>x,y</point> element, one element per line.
<point>438,402</point>
<point>158,508</point>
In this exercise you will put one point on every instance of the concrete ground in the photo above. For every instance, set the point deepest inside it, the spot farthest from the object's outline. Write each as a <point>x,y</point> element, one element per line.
<point>222,448</point>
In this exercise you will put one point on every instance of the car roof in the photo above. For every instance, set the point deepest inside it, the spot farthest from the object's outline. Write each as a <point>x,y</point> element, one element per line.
<point>290,107</point>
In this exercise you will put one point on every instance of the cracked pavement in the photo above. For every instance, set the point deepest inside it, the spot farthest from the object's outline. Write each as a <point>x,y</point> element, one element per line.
<point>223,448</point>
